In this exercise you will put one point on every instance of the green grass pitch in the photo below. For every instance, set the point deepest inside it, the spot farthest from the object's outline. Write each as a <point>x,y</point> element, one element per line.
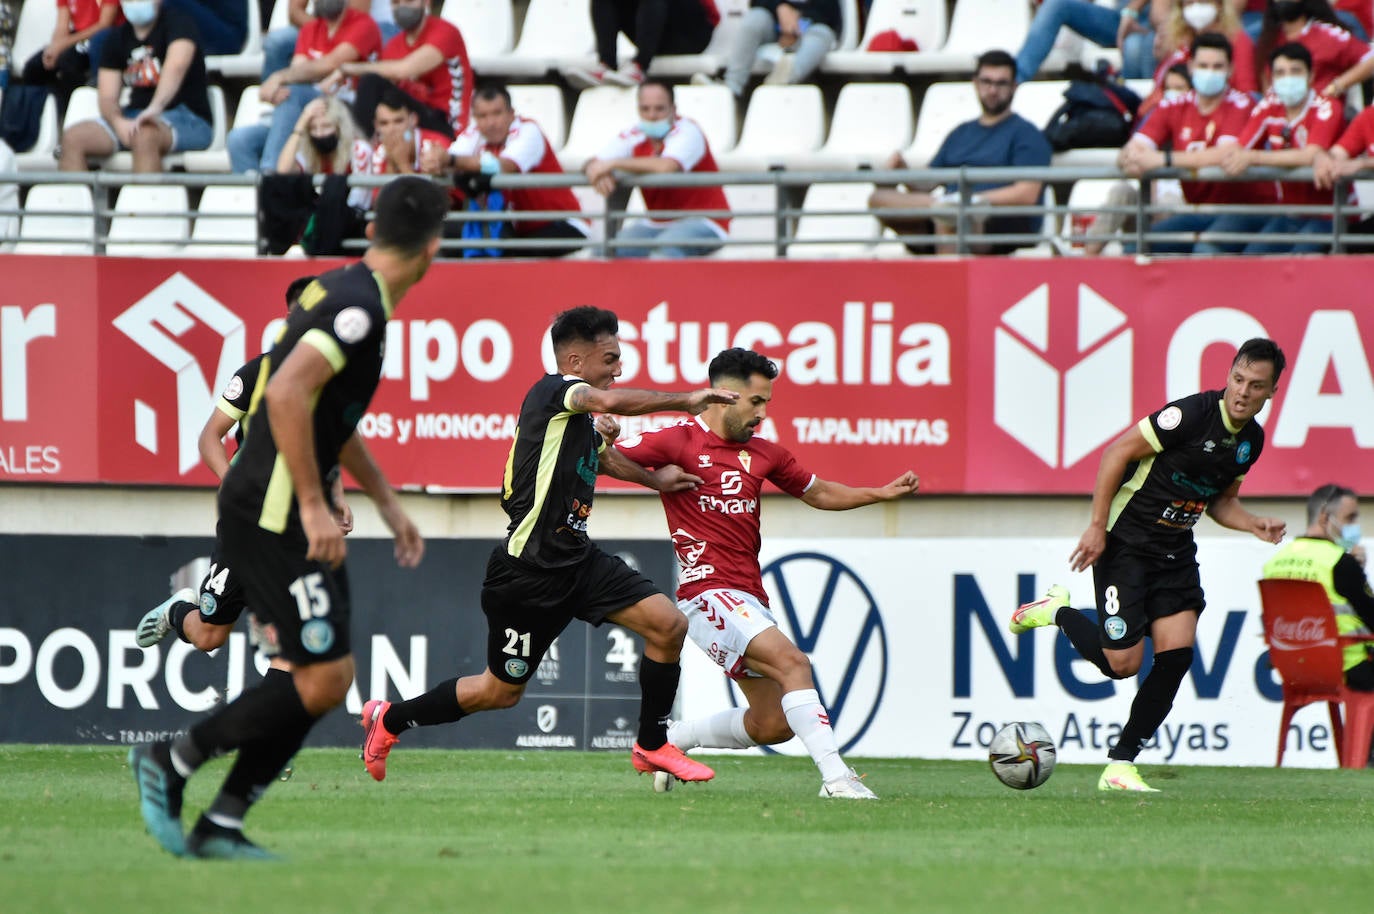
<point>548,833</point>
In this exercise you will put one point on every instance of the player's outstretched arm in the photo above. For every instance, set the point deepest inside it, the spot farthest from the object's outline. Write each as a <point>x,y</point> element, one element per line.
<point>628,401</point>
<point>290,394</point>
<point>357,459</point>
<point>1227,510</point>
<point>670,478</point>
<point>212,449</point>
<point>836,496</point>
<point>1131,445</point>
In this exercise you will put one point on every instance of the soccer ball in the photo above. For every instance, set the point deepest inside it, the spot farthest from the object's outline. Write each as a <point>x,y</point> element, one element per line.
<point>1022,755</point>
<point>663,782</point>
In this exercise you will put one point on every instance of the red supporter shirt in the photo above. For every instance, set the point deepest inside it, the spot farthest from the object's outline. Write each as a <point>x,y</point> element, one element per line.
<point>447,87</point>
<point>686,145</point>
<point>355,28</point>
<point>1358,138</point>
<point>715,527</point>
<point>1242,63</point>
<point>1318,124</point>
<point>528,148</point>
<point>370,159</point>
<point>86,13</point>
<point>1334,50</point>
<point>1362,10</point>
<point>1179,125</point>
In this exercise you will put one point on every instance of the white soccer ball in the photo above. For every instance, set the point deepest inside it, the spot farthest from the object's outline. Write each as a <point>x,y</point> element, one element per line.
<point>663,782</point>
<point>1022,755</point>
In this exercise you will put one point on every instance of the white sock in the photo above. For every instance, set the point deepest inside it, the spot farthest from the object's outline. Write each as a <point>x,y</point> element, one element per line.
<point>724,730</point>
<point>810,722</point>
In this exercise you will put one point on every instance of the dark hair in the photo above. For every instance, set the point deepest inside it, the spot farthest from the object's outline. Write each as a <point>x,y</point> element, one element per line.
<point>582,324</point>
<point>1214,40</point>
<point>1318,10</point>
<point>396,99</point>
<point>1260,349</point>
<point>1322,500</point>
<point>1292,51</point>
<point>996,58</point>
<point>293,291</point>
<point>1180,69</point>
<point>410,214</point>
<point>666,87</point>
<point>740,364</point>
<point>490,92</point>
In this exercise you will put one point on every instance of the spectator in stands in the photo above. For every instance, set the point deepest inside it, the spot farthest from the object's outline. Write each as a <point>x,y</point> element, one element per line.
<point>804,30</point>
<point>655,26</point>
<point>1123,28</point>
<point>1339,59</point>
<point>664,143</point>
<point>1185,22</point>
<point>324,140</point>
<point>157,55</point>
<point>500,141</point>
<point>997,138</point>
<point>398,142</point>
<point>427,60</point>
<point>1285,130</point>
<point>221,24</point>
<point>65,62</point>
<point>1195,131</point>
<point>339,35</point>
<point>279,45</point>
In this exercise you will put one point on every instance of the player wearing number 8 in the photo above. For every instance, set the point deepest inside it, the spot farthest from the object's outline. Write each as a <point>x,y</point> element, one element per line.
<point>548,572</point>
<point>1153,485</point>
<point>277,532</point>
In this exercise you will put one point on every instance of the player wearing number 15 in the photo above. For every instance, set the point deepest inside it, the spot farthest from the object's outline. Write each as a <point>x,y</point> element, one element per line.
<point>1153,485</point>
<point>277,533</point>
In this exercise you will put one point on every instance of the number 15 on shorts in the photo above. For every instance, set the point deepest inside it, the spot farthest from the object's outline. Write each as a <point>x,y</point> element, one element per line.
<point>312,599</point>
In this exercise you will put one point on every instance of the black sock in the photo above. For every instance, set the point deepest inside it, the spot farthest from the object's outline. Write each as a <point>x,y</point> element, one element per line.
<point>1085,638</point>
<point>1152,702</point>
<point>177,616</point>
<point>437,706</point>
<point>259,713</point>
<point>657,691</point>
<point>259,763</point>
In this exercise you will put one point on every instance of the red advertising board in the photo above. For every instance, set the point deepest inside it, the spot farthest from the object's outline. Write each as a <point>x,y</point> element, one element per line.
<point>984,376</point>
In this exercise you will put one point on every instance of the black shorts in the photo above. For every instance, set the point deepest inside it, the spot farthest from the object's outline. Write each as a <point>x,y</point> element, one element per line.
<point>221,594</point>
<point>528,607</point>
<point>306,601</point>
<point>1134,587</point>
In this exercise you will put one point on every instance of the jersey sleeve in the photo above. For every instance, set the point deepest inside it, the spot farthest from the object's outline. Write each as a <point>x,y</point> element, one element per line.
<point>366,38</point>
<point>686,145</point>
<point>1356,138</point>
<point>238,393</point>
<point>651,449</point>
<point>1326,126</point>
<point>621,147</point>
<point>466,144</point>
<point>1177,421</point>
<point>1159,126</point>
<point>524,146</point>
<point>339,329</point>
<point>1250,133</point>
<point>789,475</point>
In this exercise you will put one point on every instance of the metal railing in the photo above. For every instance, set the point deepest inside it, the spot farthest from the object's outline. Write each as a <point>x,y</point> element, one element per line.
<point>784,218</point>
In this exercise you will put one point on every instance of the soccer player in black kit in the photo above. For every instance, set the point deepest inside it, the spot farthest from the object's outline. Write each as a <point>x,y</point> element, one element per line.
<point>277,531</point>
<point>1153,485</point>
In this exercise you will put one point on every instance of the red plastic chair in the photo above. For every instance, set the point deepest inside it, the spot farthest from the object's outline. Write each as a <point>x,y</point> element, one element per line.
<point>1300,629</point>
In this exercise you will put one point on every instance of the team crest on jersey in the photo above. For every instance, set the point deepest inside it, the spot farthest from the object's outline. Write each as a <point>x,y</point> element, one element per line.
<point>352,324</point>
<point>1170,418</point>
<point>745,458</point>
<point>234,389</point>
<point>317,636</point>
<point>703,460</point>
<point>1243,452</point>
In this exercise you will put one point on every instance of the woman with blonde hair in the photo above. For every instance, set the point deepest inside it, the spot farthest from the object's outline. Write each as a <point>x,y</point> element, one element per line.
<point>323,141</point>
<point>1191,18</point>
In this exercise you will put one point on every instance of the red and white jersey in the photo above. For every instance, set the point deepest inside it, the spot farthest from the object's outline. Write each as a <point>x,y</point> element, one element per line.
<point>1334,50</point>
<point>1362,10</point>
<point>371,159</point>
<point>1179,124</point>
<point>1358,138</point>
<point>715,527</point>
<point>528,148</point>
<point>1242,63</point>
<point>447,87</point>
<point>686,145</point>
<point>355,28</point>
<point>1317,124</point>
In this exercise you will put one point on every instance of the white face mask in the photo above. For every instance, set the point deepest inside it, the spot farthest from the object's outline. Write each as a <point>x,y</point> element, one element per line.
<point>1171,94</point>
<point>1199,15</point>
<point>139,12</point>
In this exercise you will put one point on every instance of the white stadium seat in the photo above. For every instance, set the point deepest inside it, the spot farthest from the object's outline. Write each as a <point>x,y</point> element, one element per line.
<point>149,220</point>
<point>855,234</point>
<point>554,32</point>
<point>752,222</point>
<point>714,110</point>
<point>781,121</point>
<point>58,219</point>
<point>871,121</point>
<point>542,104</point>
<point>711,60</point>
<point>226,223</point>
<point>976,26</point>
<point>247,63</point>
<point>601,114</point>
<point>215,157</point>
<point>923,21</point>
<point>37,20</point>
<point>41,156</point>
<point>488,28</point>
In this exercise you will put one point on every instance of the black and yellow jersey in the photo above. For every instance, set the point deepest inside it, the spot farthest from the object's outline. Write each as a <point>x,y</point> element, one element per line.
<point>1198,455</point>
<point>238,393</point>
<point>343,316</point>
<point>550,477</point>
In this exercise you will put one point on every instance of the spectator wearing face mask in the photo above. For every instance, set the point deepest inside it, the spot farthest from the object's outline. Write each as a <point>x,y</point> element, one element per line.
<point>279,45</point>
<point>664,143</point>
<point>338,35</point>
<point>1339,59</point>
<point>324,140</point>
<point>1185,22</point>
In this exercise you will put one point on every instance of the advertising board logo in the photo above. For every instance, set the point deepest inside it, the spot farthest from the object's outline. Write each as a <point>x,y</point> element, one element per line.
<point>546,718</point>
<point>157,323</point>
<point>1062,412</point>
<point>824,606</point>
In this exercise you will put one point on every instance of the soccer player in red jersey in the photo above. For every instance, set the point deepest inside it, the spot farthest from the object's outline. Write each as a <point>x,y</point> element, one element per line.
<point>715,531</point>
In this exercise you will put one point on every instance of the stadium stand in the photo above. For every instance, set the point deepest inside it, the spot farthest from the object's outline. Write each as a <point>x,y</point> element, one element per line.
<point>247,63</point>
<point>226,223</point>
<point>149,220</point>
<point>782,121</point>
<point>870,121</point>
<point>923,21</point>
<point>42,155</point>
<point>715,111</point>
<point>601,113</point>
<point>488,28</point>
<point>58,219</point>
<point>542,104</point>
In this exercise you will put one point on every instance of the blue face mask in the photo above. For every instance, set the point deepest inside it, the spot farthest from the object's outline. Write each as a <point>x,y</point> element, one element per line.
<point>656,130</point>
<point>1291,90</point>
<point>1209,83</point>
<point>139,12</point>
<point>1350,536</point>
